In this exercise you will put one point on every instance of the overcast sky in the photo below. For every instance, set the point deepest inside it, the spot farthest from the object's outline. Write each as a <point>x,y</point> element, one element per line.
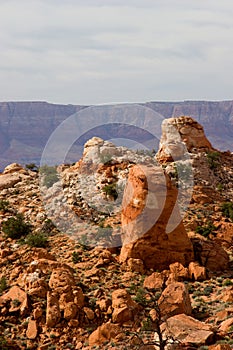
<point>104,51</point>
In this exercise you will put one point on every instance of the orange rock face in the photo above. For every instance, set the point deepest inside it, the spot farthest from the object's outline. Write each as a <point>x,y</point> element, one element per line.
<point>175,300</point>
<point>149,212</point>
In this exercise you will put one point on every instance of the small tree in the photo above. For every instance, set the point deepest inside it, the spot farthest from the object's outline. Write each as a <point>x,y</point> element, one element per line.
<point>38,240</point>
<point>16,227</point>
<point>49,175</point>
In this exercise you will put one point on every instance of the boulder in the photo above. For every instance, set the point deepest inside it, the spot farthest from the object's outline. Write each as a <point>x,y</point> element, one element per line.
<point>178,272</point>
<point>9,180</point>
<point>220,347</point>
<point>152,229</point>
<point>155,281</point>
<point>226,325</point>
<point>136,265</point>
<point>209,253</point>
<point>123,306</point>
<point>18,298</point>
<point>32,330</point>
<point>61,280</point>
<point>197,272</point>
<point>104,333</point>
<point>53,313</point>
<point>175,300</point>
<point>187,330</point>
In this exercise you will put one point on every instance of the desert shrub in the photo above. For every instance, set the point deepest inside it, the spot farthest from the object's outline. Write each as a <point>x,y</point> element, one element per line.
<point>4,345</point>
<point>206,230</point>
<point>38,240</point>
<point>4,206</point>
<point>227,210</point>
<point>208,290</point>
<point>213,159</point>
<point>49,174</point>
<point>227,282</point>
<point>3,284</point>
<point>76,257</point>
<point>47,226</point>
<point>31,166</point>
<point>140,297</point>
<point>110,190</point>
<point>16,227</point>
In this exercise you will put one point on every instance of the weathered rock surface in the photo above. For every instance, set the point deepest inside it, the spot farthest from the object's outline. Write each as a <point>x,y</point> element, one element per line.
<point>148,203</point>
<point>179,136</point>
<point>105,332</point>
<point>53,313</point>
<point>175,300</point>
<point>32,330</point>
<point>208,253</point>
<point>188,330</point>
<point>197,272</point>
<point>123,306</point>
<point>26,126</point>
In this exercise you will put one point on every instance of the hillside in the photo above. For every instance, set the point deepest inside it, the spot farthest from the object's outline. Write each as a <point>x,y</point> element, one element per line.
<point>26,126</point>
<point>100,255</point>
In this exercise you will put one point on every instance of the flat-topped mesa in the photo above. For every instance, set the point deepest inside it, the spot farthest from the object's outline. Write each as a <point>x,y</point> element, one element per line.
<point>179,136</point>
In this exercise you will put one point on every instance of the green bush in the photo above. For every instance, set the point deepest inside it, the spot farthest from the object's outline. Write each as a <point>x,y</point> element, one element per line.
<point>110,190</point>
<point>140,297</point>
<point>213,159</point>
<point>205,231</point>
<point>15,227</point>
<point>38,240</point>
<point>32,167</point>
<point>3,284</point>
<point>76,257</point>
<point>4,345</point>
<point>49,174</point>
<point>227,282</point>
<point>227,210</point>
<point>4,206</point>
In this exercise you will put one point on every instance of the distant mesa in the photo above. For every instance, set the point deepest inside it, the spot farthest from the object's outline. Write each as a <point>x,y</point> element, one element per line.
<point>25,127</point>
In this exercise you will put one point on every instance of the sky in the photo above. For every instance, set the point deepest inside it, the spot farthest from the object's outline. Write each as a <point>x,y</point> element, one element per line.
<point>111,51</point>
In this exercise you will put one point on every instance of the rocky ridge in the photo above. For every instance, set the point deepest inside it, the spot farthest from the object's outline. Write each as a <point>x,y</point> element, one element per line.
<point>77,294</point>
<point>26,126</point>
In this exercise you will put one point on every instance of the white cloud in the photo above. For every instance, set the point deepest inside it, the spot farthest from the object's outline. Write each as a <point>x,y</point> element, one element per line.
<point>107,51</point>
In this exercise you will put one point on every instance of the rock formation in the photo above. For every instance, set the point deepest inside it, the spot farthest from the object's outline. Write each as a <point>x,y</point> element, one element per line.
<point>26,126</point>
<point>149,200</point>
<point>66,292</point>
<point>179,136</point>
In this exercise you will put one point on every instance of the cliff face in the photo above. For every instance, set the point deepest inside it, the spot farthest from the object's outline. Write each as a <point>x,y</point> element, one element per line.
<point>26,126</point>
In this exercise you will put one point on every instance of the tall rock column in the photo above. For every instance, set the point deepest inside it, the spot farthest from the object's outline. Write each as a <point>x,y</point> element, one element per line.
<point>149,199</point>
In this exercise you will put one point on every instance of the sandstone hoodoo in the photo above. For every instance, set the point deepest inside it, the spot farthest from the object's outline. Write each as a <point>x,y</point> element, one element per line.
<point>148,203</point>
<point>168,287</point>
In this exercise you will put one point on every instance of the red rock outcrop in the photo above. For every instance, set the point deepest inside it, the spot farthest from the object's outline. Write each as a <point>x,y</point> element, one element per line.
<point>175,300</point>
<point>181,135</point>
<point>149,200</point>
<point>188,330</point>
